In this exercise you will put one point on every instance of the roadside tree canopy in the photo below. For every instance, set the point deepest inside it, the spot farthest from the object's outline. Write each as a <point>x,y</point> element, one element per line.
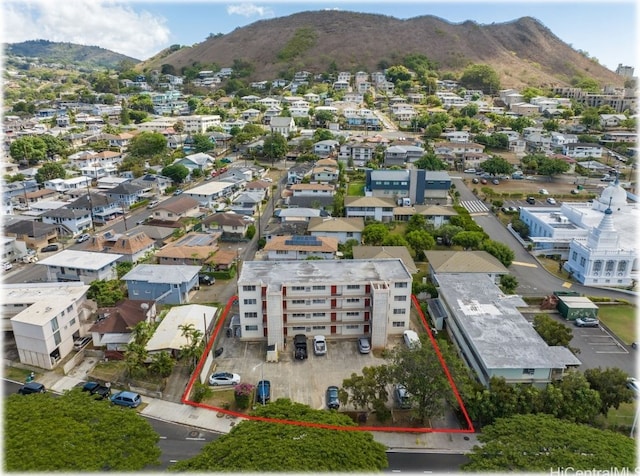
<point>280,447</point>
<point>542,443</point>
<point>75,433</point>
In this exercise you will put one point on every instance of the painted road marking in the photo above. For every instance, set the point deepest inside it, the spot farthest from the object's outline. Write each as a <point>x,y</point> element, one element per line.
<point>567,284</point>
<point>529,265</point>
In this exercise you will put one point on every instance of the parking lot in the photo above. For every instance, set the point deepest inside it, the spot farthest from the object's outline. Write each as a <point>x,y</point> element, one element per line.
<point>302,381</point>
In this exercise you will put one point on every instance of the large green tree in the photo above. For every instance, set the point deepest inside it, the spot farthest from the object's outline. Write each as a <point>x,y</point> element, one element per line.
<point>176,172</point>
<point>147,144</point>
<point>611,384</point>
<point>480,76</point>
<point>499,250</point>
<point>202,143</point>
<point>75,433</point>
<point>419,370</point>
<point>50,171</point>
<point>275,146</point>
<point>497,166</point>
<point>542,443</point>
<point>374,234</point>
<point>106,293</point>
<point>552,331</point>
<point>31,149</point>
<point>262,447</point>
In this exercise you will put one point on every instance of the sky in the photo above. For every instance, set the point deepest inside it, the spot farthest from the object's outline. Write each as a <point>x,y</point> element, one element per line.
<point>606,30</point>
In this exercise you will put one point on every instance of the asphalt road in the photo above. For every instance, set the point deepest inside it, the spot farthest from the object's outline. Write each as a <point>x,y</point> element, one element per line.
<point>412,462</point>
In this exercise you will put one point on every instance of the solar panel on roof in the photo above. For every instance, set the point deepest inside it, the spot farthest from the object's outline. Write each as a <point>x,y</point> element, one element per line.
<point>303,240</point>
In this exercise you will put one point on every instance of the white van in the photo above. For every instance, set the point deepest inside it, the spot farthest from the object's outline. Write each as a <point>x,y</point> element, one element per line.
<point>411,339</point>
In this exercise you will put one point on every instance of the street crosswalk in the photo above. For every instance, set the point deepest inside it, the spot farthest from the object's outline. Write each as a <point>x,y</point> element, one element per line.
<point>474,206</point>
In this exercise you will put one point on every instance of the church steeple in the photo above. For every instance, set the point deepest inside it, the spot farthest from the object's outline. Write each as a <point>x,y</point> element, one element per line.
<point>604,236</point>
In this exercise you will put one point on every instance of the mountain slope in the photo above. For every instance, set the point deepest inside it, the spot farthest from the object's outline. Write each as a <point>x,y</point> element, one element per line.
<point>67,53</point>
<point>524,52</point>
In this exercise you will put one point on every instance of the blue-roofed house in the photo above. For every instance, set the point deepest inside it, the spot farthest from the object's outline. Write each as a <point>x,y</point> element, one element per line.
<point>165,284</point>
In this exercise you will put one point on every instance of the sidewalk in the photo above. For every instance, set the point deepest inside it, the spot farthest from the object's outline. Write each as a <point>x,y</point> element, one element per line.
<point>221,423</point>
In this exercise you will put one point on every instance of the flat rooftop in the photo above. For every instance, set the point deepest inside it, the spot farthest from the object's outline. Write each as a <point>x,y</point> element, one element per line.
<point>81,259</point>
<point>325,271</point>
<point>500,335</point>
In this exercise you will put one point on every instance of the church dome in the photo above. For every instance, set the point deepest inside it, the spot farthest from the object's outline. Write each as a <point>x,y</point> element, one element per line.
<point>614,194</point>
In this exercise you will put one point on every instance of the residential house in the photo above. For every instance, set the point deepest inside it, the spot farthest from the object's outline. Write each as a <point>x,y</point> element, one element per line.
<point>342,229</point>
<point>125,194</point>
<point>153,184</point>
<point>386,252</point>
<point>316,190</point>
<point>435,215</point>
<point>247,203</point>
<point>297,214</point>
<point>130,245</point>
<point>342,298</point>
<point>464,262</point>
<point>199,161</point>
<point>296,173</point>
<point>579,150</point>
<point>282,125</point>
<point>325,148</point>
<point>38,195</point>
<point>34,234</point>
<point>380,209</point>
<point>90,158</point>
<point>359,153</point>
<point>611,120</point>
<point>525,109</point>
<point>233,227</point>
<point>176,208</point>
<point>538,142</point>
<point>207,194</point>
<point>301,247</point>
<point>45,320</point>
<point>324,174</point>
<point>65,185</point>
<point>169,337</point>
<point>192,249</point>
<point>85,266</point>
<point>399,154</point>
<point>67,220</point>
<point>108,182</point>
<point>164,284</point>
<point>19,188</point>
<point>102,208</point>
<point>261,187</point>
<point>114,328</point>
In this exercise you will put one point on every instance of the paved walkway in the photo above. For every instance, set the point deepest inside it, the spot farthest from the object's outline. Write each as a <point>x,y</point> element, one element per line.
<point>222,423</point>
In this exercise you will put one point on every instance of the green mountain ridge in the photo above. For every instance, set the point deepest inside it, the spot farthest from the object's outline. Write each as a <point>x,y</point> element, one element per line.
<point>67,54</point>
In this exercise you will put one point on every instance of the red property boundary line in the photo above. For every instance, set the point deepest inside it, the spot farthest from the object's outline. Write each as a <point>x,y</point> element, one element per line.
<point>185,396</point>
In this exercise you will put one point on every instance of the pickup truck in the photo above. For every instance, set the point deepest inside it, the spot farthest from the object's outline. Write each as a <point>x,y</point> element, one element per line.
<point>300,346</point>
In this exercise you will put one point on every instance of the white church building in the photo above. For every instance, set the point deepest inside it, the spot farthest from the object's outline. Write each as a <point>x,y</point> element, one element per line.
<point>597,239</point>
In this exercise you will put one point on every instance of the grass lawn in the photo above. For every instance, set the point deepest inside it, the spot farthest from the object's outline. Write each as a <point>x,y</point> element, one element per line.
<point>621,319</point>
<point>552,266</point>
<point>622,416</point>
<point>356,189</point>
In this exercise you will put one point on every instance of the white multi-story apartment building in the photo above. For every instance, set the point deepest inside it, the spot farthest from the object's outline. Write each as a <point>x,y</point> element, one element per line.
<point>337,299</point>
<point>45,319</point>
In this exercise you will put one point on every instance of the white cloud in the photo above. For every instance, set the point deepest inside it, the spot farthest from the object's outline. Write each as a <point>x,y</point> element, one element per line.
<point>105,23</point>
<point>249,10</point>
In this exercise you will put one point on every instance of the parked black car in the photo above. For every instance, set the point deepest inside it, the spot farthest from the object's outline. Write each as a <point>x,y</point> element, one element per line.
<point>94,388</point>
<point>300,346</point>
<point>332,398</point>
<point>31,387</point>
<point>206,279</point>
<point>48,248</point>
